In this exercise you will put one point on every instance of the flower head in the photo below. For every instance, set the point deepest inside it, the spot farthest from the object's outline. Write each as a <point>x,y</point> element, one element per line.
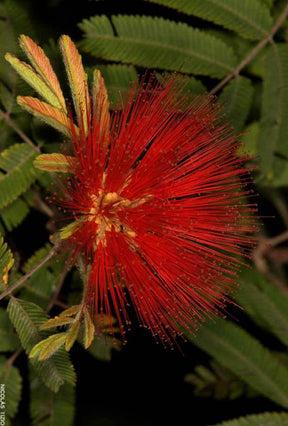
<point>156,192</point>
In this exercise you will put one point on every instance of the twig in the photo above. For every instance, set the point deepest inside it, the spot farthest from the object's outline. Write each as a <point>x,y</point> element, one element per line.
<point>253,52</point>
<point>10,361</point>
<point>279,239</point>
<point>41,206</point>
<point>22,135</point>
<point>29,274</point>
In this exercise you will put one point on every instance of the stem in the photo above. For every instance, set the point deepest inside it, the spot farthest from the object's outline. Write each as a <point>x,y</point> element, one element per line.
<point>41,206</point>
<point>22,135</point>
<point>29,274</point>
<point>10,361</point>
<point>253,52</point>
<point>279,239</point>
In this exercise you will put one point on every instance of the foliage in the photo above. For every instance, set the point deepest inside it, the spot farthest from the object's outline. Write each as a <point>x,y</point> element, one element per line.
<point>9,341</point>
<point>249,18</point>
<point>265,303</point>
<point>157,43</point>
<point>266,419</point>
<point>12,379</point>
<point>26,318</point>
<point>6,261</point>
<point>204,42</point>
<point>218,382</point>
<point>273,126</point>
<point>49,408</point>
<point>246,357</point>
<point>17,172</point>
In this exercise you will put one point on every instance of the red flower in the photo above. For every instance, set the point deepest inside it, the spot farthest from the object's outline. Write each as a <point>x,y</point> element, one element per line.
<point>157,193</point>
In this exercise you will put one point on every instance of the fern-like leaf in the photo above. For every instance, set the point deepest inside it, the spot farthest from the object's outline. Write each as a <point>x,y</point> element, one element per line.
<point>102,347</point>
<point>237,98</point>
<point>8,339</point>
<point>40,286</point>
<point>6,261</point>
<point>249,18</point>
<point>26,318</point>
<point>264,419</point>
<point>157,43</point>
<point>14,214</point>
<point>48,408</point>
<point>234,348</point>
<point>10,377</point>
<point>218,382</point>
<point>268,3</point>
<point>117,79</point>
<point>19,14</point>
<point>192,86</point>
<point>274,125</point>
<point>17,172</point>
<point>265,303</point>
<point>8,43</point>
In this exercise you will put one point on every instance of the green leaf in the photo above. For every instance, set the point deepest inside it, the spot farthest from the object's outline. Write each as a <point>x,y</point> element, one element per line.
<point>33,79</point>
<point>265,419</point>
<point>234,348</point>
<point>68,230</point>
<point>71,336</point>
<point>237,99</point>
<point>274,124</point>
<point>89,329</point>
<point>102,347</point>
<point>10,377</point>
<point>20,16</point>
<point>26,318</point>
<point>36,258</point>
<point>56,322</point>
<point>48,408</point>
<point>8,339</point>
<point>157,43</point>
<point>14,214</point>
<point>54,163</point>
<point>6,97</point>
<point>41,285</point>
<point>118,79</point>
<point>8,43</point>
<point>265,302</point>
<point>48,347</point>
<point>17,173</point>
<point>250,139</point>
<point>268,3</point>
<point>249,18</point>
<point>73,310</point>
<point>6,261</point>
<point>192,86</point>
<point>217,382</point>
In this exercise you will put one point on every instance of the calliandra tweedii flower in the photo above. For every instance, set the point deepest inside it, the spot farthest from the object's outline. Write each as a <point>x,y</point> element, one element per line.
<point>155,192</point>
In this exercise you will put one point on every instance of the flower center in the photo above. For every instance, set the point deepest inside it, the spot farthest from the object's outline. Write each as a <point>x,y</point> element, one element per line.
<point>104,212</point>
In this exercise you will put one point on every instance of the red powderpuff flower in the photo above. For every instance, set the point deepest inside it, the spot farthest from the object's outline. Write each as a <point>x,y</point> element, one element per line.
<point>156,192</point>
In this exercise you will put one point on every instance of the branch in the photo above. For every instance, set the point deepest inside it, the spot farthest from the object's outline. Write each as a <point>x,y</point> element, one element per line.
<point>29,274</point>
<point>22,135</point>
<point>41,206</point>
<point>253,52</point>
